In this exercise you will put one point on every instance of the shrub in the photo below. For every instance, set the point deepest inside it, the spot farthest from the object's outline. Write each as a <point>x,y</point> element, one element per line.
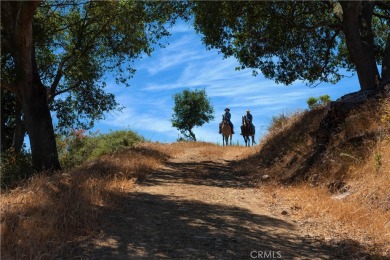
<point>324,99</point>
<point>313,102</point>
<point>14,168</point>
<point>78,147</point>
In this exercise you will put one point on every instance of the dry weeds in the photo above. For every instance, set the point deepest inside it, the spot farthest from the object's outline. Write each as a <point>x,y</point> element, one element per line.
<point>345,193</point>
<point>40,217</point>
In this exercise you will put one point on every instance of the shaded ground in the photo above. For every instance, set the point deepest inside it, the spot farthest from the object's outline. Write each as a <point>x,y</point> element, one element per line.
<point>195,208</point>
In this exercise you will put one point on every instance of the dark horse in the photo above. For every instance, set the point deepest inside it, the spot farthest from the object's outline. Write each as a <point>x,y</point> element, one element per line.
<point>226,131</point>
<point>248,130</point>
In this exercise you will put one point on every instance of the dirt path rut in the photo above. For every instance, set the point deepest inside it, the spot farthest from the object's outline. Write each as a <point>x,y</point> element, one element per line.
<point>196,208</point>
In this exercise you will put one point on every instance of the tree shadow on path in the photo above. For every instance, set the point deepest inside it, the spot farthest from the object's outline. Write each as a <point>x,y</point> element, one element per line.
<point>205,173</point>
<point>157,227</point>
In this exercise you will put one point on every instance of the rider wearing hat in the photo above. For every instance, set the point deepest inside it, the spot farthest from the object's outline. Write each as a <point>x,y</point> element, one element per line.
<point>227,115</point>
<point>249,118</point>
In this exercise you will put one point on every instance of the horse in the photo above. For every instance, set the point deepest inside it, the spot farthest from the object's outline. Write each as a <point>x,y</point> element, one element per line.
<point>226,131</point>
<point>247,131</point>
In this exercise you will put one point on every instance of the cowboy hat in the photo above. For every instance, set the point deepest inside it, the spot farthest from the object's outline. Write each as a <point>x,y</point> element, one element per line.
<point>227,109</point>
<point>248,110</point>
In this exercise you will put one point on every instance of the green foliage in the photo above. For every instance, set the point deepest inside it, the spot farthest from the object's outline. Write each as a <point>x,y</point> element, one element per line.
<point>79,44</point>
<point>325,99</point>
<point>192,109</point>
<point>14,168</point>
<point>313,102</point>
<point>79,147</point>
<point>288,40</point>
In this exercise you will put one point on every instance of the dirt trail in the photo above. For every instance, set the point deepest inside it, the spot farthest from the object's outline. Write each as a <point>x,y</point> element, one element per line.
<point>195,208</point>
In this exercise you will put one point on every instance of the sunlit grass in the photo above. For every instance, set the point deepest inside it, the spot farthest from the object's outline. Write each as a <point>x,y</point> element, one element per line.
<point>41,216</point>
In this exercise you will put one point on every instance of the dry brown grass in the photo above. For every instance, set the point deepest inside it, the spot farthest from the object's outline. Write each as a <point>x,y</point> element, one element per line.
<point>345,191</point>
<point>332,217</point>
<point>40,217</point>
<point>342,192</point>
<point>285,147</point>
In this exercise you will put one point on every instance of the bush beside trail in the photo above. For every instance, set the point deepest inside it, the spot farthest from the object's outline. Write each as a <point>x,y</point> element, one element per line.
<point>73,150</point>
<point>79,148</point>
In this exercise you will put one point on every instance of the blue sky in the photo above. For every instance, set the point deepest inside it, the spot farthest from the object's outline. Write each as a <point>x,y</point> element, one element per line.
<point>186,64</point>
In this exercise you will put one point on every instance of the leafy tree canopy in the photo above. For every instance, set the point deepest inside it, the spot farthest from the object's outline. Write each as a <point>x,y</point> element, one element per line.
<point>300,40</point>
<point>77,43</point>
<point>192,109</point>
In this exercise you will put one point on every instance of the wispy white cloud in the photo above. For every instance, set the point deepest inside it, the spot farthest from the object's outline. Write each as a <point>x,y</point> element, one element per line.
<point>171,56</point>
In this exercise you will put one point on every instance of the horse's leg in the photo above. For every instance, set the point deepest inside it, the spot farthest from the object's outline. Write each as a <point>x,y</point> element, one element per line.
<point>231,139</point>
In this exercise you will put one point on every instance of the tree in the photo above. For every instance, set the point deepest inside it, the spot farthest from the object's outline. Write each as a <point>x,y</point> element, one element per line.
<point>17,34</point>
<point>324,99</point>
<point>301,40</point>
<point>58,52</point>
<point>313,102</point>
<point>192,108</point>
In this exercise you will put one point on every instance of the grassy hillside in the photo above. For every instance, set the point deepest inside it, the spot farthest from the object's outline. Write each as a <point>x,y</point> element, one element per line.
<point>331,177</point>
<point>342,179</point>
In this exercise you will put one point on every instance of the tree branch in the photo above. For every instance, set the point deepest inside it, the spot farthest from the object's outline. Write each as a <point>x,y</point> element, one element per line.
<point>53,95</point>
<point>58,76</point>
<point>329,49</point>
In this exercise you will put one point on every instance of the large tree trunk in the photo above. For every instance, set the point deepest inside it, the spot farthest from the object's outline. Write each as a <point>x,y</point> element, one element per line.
<point>386,64</point>
<point>357,18</point>
<point>18,17</point>
<point>20,129</point>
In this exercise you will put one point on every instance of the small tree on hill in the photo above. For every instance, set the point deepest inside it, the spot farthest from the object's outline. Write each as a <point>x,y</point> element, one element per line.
<point>192,108</point>
<point>324,99</point>
<point>313,102</point>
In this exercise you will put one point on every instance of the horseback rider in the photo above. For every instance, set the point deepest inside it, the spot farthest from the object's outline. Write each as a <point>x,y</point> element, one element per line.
<point>249,118</point>
<point>227,116</point>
